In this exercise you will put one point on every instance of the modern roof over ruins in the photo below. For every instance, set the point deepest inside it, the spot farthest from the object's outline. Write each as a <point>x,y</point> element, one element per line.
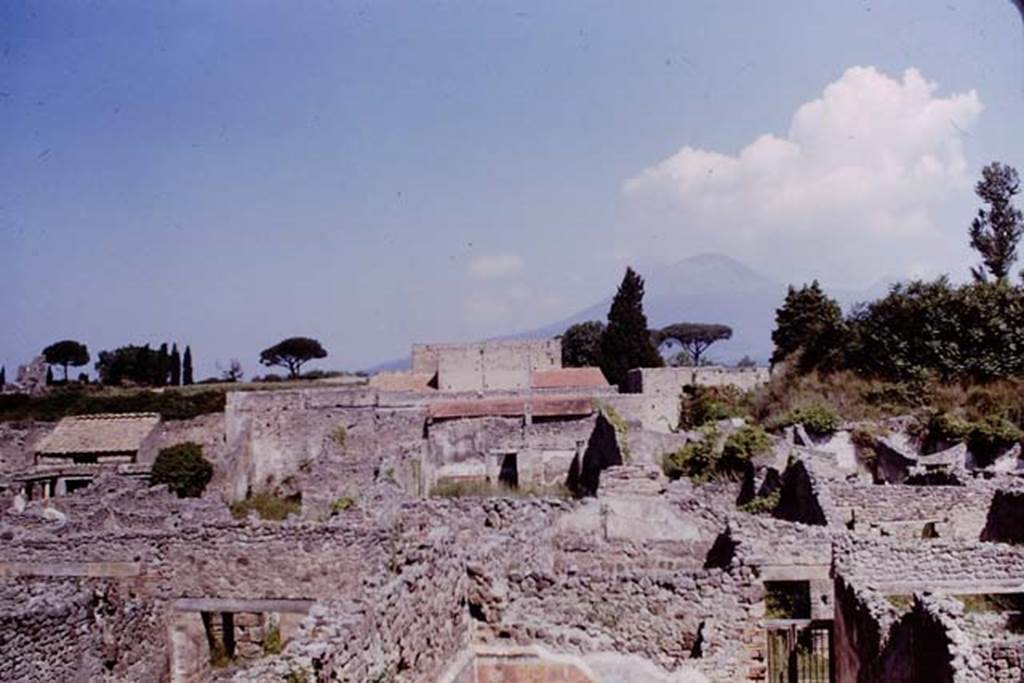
<point>101,433</point>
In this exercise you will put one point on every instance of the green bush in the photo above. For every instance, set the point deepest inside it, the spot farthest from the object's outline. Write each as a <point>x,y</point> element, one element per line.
<point>818,419</point>
<point>695,459</point>
<point>269,506</point>
<point>700,405</point>
<point>183,468</point>
<point>985,438</point>
<point>741,446</point>
<point>991,436</point>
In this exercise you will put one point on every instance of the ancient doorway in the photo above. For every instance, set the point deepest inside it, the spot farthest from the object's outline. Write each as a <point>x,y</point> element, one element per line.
<point>508,474</point>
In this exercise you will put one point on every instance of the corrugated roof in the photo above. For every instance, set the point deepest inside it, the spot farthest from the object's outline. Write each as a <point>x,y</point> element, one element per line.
<point>104,433</point>
<point>538,406</point>
<point>561,378</point>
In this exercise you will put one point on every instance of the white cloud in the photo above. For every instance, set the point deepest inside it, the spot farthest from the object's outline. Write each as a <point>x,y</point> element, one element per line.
<point>496,265</point>
<point>856,188</point>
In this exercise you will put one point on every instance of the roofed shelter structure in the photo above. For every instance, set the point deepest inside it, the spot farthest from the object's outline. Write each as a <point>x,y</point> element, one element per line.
<point>80,447</point>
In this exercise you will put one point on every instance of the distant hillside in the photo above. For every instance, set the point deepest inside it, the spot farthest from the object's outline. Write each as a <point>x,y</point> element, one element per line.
<point>709,288</point>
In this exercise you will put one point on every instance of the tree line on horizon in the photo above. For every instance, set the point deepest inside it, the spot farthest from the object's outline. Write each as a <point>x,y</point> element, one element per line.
<point>164,366</point>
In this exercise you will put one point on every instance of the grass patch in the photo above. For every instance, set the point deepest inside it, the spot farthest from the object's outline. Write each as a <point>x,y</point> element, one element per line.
<point>339,435</point>
<point>982,603</point>
<point>272,643</point>
<point>269,506</point>
<point>342,504</point>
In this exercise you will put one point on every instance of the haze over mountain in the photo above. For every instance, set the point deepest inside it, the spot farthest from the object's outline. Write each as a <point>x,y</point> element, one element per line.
<point>713,288</point>
<point>707,288</point>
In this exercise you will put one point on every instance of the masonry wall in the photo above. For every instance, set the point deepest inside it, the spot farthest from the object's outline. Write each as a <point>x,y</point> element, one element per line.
<point>672,380</point>
<point>79,629</point>
<point>899,510</point>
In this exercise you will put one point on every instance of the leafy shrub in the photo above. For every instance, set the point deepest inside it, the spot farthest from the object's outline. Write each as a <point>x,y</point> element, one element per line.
<point>183,468</point>
<point>700,405</point>
<point>269,506</point>
<point>695,459</point>
<point>818,419</point>
<point>991,436</point>
<point>740,447</point>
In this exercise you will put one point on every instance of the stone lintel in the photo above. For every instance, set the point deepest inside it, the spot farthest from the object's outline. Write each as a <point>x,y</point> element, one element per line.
<point>238,605</point>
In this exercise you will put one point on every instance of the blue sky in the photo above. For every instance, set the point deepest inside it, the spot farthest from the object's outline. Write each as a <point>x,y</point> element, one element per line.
<point>225,174</point>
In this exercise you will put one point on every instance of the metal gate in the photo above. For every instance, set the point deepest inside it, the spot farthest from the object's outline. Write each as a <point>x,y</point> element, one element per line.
<point>800,651</point>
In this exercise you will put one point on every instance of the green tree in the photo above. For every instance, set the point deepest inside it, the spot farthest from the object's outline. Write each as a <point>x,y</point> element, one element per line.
<point>186,370</point>
<point>912,331</point>
<point>135,364</point>
<point>626,342</point>
<point>183,468</point>
<point>810,324</point>
<point>292,353</point>
<point>49,375</point>
<point>695,338</point>
<point>3,376</point>
<point>995,232</point>
<point>175,366</point>
<point>581,345</point>
<point>66,353</point>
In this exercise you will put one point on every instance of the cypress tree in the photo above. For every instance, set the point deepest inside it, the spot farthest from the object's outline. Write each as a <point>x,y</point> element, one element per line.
<point>144,366</point>
<point>3,376</point>
<point>175,366</point>
<point>163,366</point>
<point>186,370</point>
<point>626,342</point>
<point>49,376</point>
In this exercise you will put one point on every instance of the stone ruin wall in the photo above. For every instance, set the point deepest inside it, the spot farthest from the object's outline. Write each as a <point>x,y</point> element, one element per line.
<point>898,565</point>
<point>79,629</point>
<point>903,511</point>
<point>933,641</point>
